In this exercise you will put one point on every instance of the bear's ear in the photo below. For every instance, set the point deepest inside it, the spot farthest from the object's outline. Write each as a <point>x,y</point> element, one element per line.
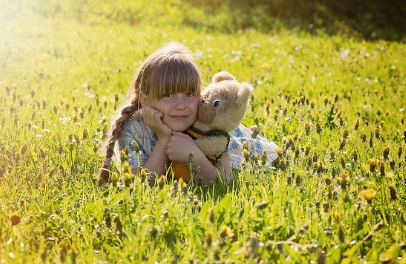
<point>244,92</point>
<point>222,76</point>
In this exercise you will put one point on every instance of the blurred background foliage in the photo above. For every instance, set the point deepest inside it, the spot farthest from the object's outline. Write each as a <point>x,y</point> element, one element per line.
<point>367,19</point>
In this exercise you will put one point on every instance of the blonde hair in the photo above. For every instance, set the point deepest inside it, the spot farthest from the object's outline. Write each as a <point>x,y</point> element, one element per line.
<point>171,69</point>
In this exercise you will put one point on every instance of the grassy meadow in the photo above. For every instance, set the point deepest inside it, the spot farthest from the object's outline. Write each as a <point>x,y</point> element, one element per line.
<point>334,103</point>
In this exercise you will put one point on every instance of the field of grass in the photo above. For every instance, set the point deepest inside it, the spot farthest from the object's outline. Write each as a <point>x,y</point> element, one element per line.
<point>335,103</point>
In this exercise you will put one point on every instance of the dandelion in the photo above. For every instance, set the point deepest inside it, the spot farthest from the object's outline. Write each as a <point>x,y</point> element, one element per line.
<point>212,216</point>
<point>14,218</point>
<point>356,125</point>
<point>208,238</point>
<point>282,164</point>
<point>393,195</point>
<point>246,154</point>
<point>336,216</point>
<point>307,128</point>
<point>345,180</point>
<point>372,164</point>
<point>114,178</point>
<point>85,133</point>
<point>382,168</point>
<point>355,155</point>
<point>341,235</point>
<point>377,133</point>
<point>255,158</point>
<point>386,153</point>
<point>363,137</point>
<point>368,194</point>
<point>263,157</point>
<point>345,133</point>
<point>161,182</point>
<point>226,232</point>
<point>342,143</point>
<point>318,128</point>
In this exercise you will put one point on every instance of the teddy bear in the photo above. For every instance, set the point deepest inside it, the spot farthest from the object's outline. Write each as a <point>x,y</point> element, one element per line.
<point>222,106</point>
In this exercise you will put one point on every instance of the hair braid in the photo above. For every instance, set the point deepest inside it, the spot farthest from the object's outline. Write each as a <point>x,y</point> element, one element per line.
<point>126,113</point>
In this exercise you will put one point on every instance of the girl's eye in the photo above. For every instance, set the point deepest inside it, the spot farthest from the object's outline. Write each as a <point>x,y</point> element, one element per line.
<point>190,94</point>
<point>167,95</point>
<point>216,103</point>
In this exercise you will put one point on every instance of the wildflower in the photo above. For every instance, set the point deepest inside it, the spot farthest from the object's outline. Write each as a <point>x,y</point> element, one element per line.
<point>24,149</point>
<point>209,238</point>
<point>336,216</point>
<point>114,178</point>
<point>326,207</point>
<point>355,155</point>
<point>190,159</point>
<point>345,179</point>
<point>127,179</point>
<point>372,164</point>
<point>135,146</point>
<point>342,144</point>
<point>245,145</point>
<point>263,157</point>
<point>116,97</point>
<point>85,133</point>
<point>126,168</point>
<point>382,168</point>
<point>226,232</point>
<point>341,235</point>
<point>345,133</point>
<point>326,179</point>
<point>393,195</point>
<point>318,128</point>
<point>212,216</point>
<point>386,152</point>
<point>279,151</point>
<point>15,218</point>
<point>307,128</point>
<point>246,154</point>
<point>356,124</point>
<point>107,218</point>
<point>363,137</point>
<point>307,150</point>
<point>368,195</point>
<point>255,158</point>
<point>282,164</point>
<point>377,133</point>
<point>161,182</point>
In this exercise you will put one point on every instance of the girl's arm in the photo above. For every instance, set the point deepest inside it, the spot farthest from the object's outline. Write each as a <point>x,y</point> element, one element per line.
<point>178,149</point>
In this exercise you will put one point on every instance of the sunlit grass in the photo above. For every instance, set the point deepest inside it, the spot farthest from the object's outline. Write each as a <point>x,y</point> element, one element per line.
<point>335,105</point>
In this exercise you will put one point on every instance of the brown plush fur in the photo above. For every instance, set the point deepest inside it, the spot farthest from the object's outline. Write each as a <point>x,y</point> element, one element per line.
<point>223,105</point>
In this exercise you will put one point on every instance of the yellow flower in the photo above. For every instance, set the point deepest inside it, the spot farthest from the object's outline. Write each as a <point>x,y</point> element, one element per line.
<point>226,232</point>
<point>368,194</point>
<point>279,151</point>
<point>15,218</point>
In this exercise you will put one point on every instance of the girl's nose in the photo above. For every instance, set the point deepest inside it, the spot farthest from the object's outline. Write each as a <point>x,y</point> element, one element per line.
<point>179,100</point>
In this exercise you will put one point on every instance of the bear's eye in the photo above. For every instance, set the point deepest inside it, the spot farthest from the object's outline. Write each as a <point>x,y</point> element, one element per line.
<point>216,103</point>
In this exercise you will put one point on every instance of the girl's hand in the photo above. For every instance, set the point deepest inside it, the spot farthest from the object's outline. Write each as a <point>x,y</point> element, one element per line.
<point>179,147</point>
<point>153,119</point>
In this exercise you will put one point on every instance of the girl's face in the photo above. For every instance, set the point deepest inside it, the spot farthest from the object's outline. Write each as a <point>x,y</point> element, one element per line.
<point>179,110</point>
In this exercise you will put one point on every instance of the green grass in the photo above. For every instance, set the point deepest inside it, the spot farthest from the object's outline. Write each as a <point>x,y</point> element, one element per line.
<point>61,70</point>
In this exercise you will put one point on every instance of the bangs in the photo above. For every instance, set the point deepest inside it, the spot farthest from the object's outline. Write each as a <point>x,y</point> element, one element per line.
<point>174,75</point>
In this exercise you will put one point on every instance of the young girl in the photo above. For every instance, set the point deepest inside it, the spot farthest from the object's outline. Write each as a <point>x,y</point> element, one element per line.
<point>163,102</point>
